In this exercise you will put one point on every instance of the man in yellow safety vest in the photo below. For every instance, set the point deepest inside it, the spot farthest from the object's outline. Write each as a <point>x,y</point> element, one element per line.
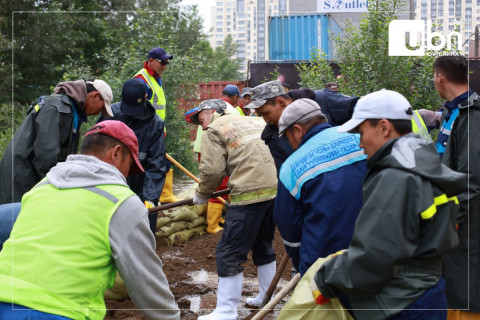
<point>151,75</point>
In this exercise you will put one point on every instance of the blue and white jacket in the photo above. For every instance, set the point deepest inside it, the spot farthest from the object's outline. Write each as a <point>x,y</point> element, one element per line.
<point>319,195</point>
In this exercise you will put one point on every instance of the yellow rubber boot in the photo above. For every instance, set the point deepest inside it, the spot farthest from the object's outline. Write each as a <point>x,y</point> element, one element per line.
<point>167,195</point>
<point>214,215</point>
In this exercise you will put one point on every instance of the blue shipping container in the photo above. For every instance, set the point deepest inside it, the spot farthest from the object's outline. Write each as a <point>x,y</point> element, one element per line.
<point>296,37</point>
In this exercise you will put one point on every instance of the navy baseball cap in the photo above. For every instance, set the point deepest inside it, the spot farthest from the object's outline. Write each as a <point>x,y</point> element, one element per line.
<point>134,95</point>
<point>160,54</point>
<point>231,90</point>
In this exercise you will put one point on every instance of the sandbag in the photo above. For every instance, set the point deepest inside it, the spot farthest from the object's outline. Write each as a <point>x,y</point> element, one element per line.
<point>302,306</point>
<point>199,209</point>
<point>185,235</point>
<point>171,228</point>
<point>161,221</point>
<point>182,213</point>
<point>200,221</point>
<point>118,291</point>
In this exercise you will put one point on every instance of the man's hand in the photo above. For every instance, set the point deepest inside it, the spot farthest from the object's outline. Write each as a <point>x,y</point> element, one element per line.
<point>198,200</point>
<point>317,295</point>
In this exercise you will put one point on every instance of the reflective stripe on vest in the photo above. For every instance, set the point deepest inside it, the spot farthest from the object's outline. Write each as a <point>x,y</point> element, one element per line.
<point>63,259</point>
<point>326,151</point>
<point>158,96</point>
<point>419,127</point>
<point>437,201</point>
<point>445,132</point>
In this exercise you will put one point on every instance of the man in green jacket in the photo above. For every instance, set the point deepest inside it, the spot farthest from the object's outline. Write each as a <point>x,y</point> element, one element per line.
<point>459,143</point>
<point>393,266</point>
<point>49,134</point>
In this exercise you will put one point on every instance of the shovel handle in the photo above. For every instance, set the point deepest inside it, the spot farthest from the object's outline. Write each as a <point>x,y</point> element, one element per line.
<point>188,173</point>
<point>184,202</point>
<point>272,287</point>
<point>269,306</point>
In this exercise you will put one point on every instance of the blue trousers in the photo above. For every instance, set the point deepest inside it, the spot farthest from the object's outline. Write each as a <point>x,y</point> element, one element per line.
<point>10,311</point>
<point>433,299</point>
<point>8,214</point>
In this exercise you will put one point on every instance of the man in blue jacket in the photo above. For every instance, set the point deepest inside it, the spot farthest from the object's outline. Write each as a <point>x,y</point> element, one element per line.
<point>139,115</point>
<point>320,194</point>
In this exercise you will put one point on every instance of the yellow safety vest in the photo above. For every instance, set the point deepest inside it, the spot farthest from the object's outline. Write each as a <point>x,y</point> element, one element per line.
<point>158,96</point>
<point>58,259</point>
<point>240,110</point>
<point>419,127</point>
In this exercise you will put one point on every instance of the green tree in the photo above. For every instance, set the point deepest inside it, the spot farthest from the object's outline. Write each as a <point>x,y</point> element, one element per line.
<point>363,57</point>
<point>223,64</point>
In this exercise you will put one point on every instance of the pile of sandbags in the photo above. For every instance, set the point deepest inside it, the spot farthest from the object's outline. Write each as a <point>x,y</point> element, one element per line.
<point>181,223</point>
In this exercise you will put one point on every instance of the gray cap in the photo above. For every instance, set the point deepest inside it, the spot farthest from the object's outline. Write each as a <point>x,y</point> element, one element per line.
<point>246,91</point>
<point>214,104</point>
<point>298,110</point>
<point>265,91</point>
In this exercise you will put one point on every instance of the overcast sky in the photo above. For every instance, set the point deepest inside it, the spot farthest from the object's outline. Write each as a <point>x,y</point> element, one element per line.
<point>203,8</point>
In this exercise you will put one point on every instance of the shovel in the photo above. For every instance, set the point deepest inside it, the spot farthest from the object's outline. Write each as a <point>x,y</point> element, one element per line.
<point>188,173</point>
<point>273,285</point>
<point>184,202</point>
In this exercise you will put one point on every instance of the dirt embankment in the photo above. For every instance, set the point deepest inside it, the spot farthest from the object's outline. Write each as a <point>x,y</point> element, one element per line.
<point>179,263</point>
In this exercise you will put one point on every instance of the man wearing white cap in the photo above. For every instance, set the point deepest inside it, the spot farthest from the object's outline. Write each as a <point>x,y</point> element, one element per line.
<point>320,193</point>
<point>49,134</point>
<point>393,266</point>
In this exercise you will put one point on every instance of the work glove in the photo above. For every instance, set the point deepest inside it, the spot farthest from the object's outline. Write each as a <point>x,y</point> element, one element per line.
<point>198,200</point>
<point>317,295</point>
<point>149,204</point>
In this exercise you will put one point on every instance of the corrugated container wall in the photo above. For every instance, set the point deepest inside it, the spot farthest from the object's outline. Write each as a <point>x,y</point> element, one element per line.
<point>296,37</point>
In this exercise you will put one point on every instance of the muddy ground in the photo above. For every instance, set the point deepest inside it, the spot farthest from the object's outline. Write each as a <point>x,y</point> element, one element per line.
<point>191,272</point>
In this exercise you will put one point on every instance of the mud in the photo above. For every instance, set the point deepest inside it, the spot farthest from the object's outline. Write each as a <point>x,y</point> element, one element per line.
<point>191,272</point>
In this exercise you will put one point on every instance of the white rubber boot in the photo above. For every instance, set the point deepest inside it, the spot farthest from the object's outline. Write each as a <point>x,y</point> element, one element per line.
<point>266,273</point>
<point>228,295</point>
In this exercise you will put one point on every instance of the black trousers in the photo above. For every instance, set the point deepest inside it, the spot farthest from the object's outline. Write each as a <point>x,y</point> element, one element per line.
<point>247,227</point>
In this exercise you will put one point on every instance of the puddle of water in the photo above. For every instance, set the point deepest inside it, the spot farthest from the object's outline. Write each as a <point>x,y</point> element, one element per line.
<point>194,303</point>
<point>181,182</point>
<point>205,303</point>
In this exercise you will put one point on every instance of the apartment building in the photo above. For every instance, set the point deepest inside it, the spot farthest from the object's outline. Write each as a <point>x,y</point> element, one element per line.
<point>451,15</point>
<point>246,21</point>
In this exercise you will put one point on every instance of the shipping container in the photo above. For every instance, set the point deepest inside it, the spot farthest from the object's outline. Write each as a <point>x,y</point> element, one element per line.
<point>296,37</point>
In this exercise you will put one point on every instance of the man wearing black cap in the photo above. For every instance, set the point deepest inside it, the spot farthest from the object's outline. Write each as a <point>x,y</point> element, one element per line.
<point>138,114</point>
<point>151,75</point>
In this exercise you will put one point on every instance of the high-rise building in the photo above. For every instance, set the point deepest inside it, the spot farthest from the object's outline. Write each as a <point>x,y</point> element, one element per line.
<point>451,15</point>
<point>246,21</point>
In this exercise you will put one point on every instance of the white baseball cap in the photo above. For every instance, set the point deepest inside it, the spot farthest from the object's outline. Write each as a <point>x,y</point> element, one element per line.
<point>382,104</point>
<point>106,92</point>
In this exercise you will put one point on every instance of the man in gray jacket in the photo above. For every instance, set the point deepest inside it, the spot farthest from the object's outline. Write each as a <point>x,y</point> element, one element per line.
<point>393,266</point>
<point>77,227</point>
<point>49,134</point>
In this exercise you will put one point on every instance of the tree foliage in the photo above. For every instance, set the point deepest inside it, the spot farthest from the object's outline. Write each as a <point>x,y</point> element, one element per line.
<point>362,55</point>
<point>49,41</point>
